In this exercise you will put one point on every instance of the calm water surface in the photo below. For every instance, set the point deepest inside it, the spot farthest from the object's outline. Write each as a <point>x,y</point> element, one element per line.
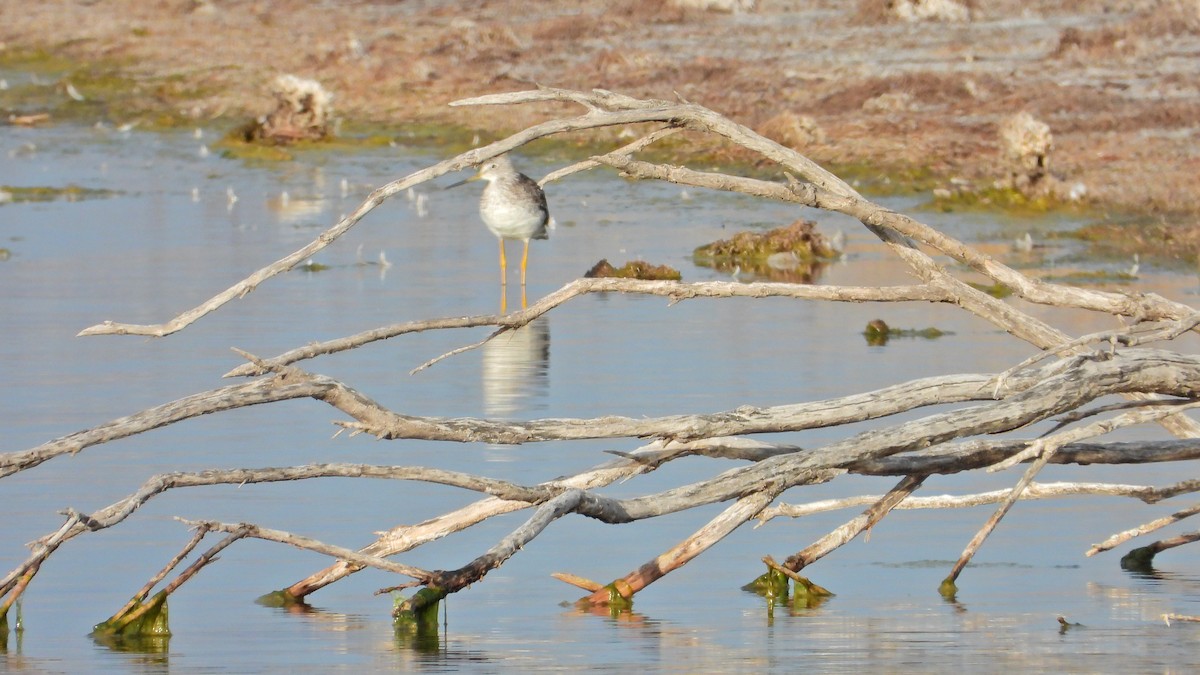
<point>169,237</point>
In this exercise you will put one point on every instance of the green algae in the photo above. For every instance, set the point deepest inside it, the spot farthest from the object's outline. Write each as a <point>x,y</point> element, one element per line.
<point>99,90</point>
<point>70,193</point>
<point>138,619</point>
<point>1003,199</point>
<point>1091,278</point>
<point>878,333</point>
<point>279,599</point>
<point>995,289</point>
<point>772,585</point>
<point>420,612</point>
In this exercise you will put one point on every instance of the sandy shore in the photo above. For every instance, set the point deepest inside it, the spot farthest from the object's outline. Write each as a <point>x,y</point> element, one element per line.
<point>1117,82</point>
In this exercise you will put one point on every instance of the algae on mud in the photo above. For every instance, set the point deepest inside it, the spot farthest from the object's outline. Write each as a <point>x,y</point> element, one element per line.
<point>70,193</point>
<point>634,269</point>
<point>794,252</point>
<point>96,91</point>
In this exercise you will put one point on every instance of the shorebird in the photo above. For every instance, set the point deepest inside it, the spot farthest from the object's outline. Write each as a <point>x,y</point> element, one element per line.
<point>513,206</point>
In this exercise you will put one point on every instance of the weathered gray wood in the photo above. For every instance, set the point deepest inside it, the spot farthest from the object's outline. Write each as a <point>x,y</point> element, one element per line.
<point>1063,380</point>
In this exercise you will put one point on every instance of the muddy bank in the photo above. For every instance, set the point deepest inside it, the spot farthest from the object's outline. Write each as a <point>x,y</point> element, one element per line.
<point>1118,83</point>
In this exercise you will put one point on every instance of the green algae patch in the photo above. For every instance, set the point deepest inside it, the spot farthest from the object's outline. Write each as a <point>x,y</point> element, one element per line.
<point>137,620</point>
<point>38,61</point>
<point>419,613</point>
<point>775,585</point>
<point>772,585</point>
<point>809,595</point>
<point>1064,625</point>
<point>1166,239</point>
<point>241,144</point>
<point>634,269</point>
<point>1139,559</point>
<point>886,180</point>
<point>312,266</point>
<point>92,91</point>
<point>1091,278</point>
<point>791,253</point>
<point>877,333</point>
<point>990,199</point>
<point>251,153</point>
<point>279,599</point>
<point>70,193</point>
<point>996,290</point>
<point>617,602</point>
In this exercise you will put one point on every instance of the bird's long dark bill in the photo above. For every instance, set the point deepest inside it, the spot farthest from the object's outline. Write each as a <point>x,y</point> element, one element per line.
<point>461,182</point>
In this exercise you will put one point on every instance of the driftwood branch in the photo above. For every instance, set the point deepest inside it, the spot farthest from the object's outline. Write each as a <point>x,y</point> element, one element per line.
<point>1032,492</point>
<point>676,291</point>
<point>1063,380</point>
<point>1157,524</point>
<point>717,529</point>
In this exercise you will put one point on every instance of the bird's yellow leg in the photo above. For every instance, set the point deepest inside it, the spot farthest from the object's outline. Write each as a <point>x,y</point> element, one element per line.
<point>503,280</point>
<point>524,262</point>
<point>503,264</point>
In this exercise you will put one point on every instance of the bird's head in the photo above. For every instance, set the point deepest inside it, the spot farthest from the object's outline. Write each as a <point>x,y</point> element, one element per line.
<point>491,169</point>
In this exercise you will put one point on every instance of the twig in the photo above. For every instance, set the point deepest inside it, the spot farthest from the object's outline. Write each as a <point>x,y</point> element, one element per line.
<point>1042,450</point>
<point>1046,452</point>
<point>628,149</point>
<point>459,350</point>
<point>308,544</point>
<point>144,592</point>
<point>675,290</point>
<point>22,574</point>
<point>1032,492</point>
<point>1133,417</point>
<point>856,526</point>
<point>119,620</point>
<point>1179,618</point>
<point>545,514</point>
<point>1122,537</point>
<point>1140,333</point>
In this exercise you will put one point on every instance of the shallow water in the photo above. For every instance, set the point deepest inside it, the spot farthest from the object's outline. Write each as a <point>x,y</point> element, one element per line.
<point>171,237</point>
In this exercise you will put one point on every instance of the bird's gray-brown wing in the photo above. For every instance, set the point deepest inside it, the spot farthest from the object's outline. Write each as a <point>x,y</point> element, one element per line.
<point>530,187</point>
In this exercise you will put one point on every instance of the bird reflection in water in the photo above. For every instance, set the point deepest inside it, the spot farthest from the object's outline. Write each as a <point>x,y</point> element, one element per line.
<point>515,369</point>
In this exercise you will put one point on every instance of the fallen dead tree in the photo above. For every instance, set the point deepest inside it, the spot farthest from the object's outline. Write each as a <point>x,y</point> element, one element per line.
<point>1064,382</point>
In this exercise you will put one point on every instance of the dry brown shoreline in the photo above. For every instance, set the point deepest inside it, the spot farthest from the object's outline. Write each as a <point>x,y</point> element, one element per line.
<point>1118,82</point>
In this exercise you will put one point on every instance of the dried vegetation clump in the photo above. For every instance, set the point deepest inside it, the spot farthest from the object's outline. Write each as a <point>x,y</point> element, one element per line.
<point>795,131</point>
<point>1027,143</point>
<point>883,11</point>
<point>303,111</point>
<point>634,269</point>
<point>794,253</point>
